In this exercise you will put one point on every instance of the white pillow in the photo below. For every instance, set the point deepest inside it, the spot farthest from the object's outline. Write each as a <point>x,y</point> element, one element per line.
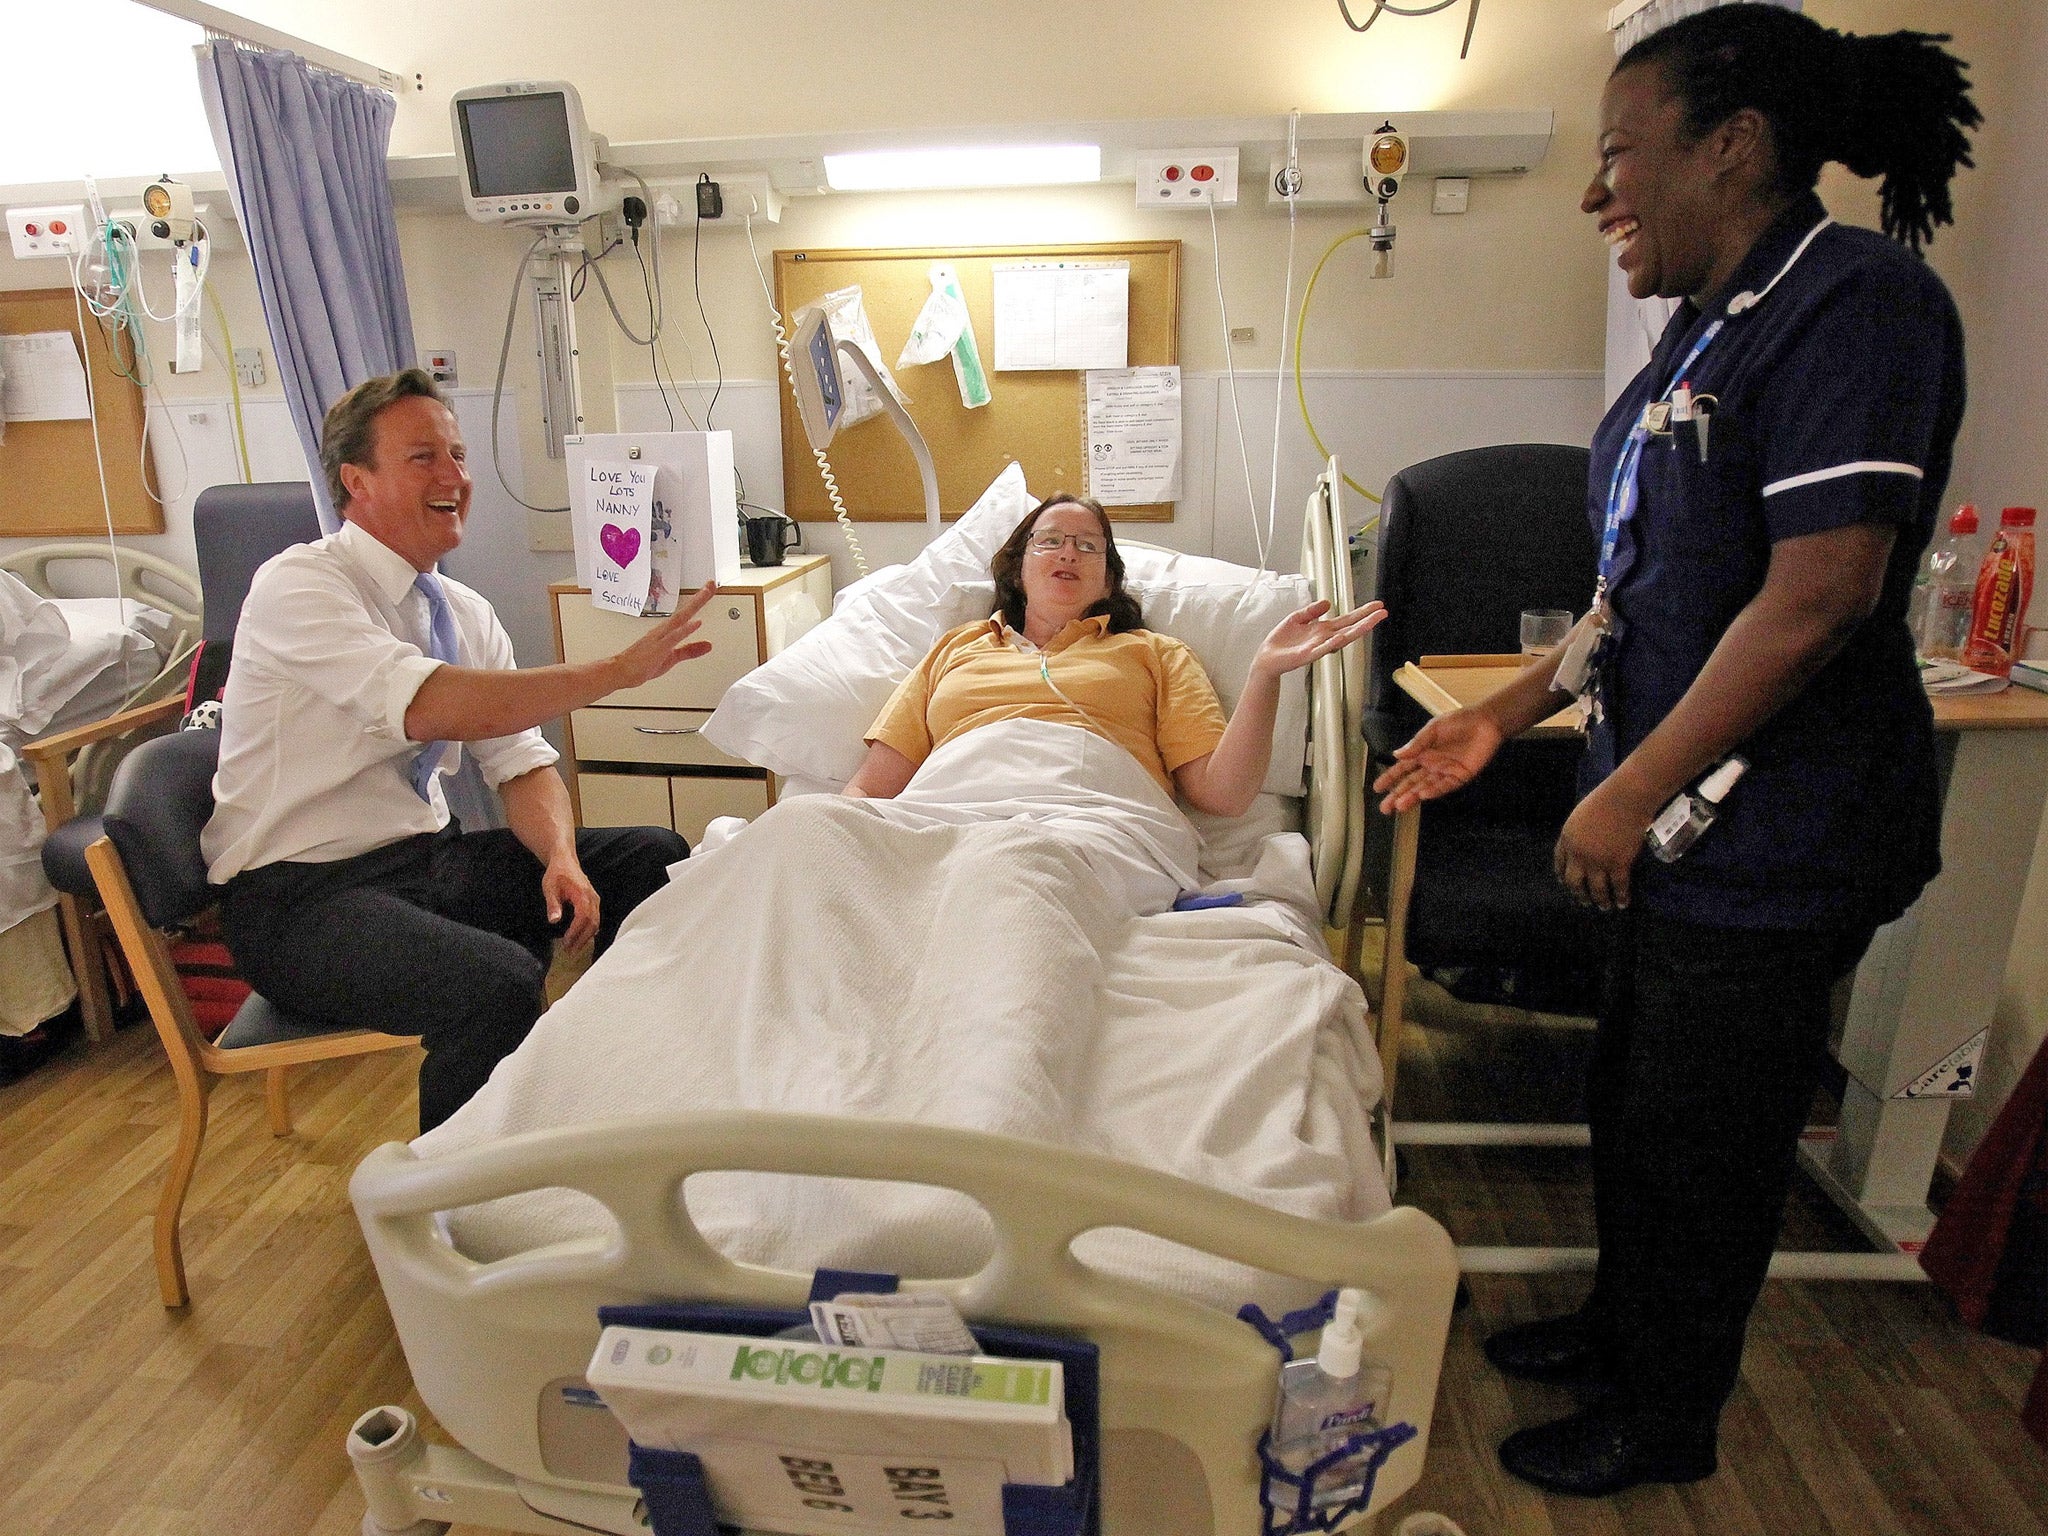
<point>803,713</point>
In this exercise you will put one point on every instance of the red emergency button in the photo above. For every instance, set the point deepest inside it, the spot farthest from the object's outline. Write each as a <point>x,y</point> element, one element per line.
<point>32,230</point>
<point>1203,173</point>
<point>1171,173</point>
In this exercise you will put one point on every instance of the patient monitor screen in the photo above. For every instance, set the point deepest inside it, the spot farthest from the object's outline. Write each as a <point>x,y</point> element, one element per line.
<point>518,144</point>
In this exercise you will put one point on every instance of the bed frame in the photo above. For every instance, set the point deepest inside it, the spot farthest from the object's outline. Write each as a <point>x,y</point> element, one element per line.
<point>497,1350</point>
<point>145,578</point>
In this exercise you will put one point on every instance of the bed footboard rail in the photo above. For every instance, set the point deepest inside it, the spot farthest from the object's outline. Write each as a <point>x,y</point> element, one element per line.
<point>1185,1388</point>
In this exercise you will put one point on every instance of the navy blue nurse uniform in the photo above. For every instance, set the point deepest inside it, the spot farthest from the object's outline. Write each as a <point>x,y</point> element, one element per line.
<point>1837,377</point>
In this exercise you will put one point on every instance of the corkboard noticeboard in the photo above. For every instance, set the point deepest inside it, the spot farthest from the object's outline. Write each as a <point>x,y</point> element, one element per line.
<point>1036,418</point>
<point>49,474</point>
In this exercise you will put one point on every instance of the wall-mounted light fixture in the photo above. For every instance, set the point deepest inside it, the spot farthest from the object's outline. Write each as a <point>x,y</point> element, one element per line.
<point>984,165</point>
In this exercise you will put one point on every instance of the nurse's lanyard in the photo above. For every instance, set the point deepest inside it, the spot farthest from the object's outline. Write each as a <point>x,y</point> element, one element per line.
<point>1580,669</point>
<point>1622,496</point>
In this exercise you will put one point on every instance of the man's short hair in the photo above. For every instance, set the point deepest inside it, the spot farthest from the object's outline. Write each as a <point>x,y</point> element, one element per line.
<point>349,434</point>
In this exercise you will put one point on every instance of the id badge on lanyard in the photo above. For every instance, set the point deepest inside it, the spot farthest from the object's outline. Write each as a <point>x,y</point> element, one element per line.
<point>1580,669</point>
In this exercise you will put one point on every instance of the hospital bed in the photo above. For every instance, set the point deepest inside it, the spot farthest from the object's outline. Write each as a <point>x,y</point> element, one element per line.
<point>498,1321</point>
<point>76,715</point>
<point>160,608</point>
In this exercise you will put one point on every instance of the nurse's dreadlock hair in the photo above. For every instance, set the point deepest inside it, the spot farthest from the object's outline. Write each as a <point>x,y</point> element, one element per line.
<point>1896,105</point>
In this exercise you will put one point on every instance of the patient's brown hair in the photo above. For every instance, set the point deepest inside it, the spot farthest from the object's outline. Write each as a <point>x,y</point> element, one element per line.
<point>1008,569</point>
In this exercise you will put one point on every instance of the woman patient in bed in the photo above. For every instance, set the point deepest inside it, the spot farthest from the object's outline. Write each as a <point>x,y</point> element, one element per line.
<point>1099,719</point>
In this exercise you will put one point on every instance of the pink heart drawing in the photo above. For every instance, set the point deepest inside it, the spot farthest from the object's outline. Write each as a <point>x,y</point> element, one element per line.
<point>619,544</point>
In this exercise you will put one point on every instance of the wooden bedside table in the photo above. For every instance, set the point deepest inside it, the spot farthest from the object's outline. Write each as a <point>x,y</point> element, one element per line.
<point>636,758</point>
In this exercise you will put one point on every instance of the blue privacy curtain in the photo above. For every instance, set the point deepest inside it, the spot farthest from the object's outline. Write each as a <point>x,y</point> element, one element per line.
<point>304,154</point>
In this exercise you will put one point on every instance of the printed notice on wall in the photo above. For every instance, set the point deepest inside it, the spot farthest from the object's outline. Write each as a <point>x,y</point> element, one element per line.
<point>45,378</point>
<point>618,506</point>
<point>1062,314</point>
<point>1134,435</point>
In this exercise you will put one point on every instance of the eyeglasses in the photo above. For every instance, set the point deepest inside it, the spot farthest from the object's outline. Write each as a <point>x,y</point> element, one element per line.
<point>1051,543</point>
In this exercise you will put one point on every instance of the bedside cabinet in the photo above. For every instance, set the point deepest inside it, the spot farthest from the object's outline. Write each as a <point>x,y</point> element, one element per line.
<point>635,756</point>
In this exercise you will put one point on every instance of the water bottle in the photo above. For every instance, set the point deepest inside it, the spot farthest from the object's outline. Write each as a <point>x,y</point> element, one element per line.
<point>1947,590</point>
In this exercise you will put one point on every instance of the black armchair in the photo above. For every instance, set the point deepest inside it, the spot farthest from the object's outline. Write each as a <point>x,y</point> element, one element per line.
<point>1468,541</point>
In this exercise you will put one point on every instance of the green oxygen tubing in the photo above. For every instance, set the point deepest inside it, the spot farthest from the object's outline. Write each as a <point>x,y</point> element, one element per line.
<point>1300,393</point>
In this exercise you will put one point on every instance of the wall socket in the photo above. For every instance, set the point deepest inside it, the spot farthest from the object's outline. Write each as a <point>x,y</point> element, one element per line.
<point>54,230</point>
<point>1188,178</point>
<point>440,362</point>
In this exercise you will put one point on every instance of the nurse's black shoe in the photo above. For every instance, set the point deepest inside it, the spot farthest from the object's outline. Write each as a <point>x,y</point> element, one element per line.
<point>1606,1448</point>
<point>1561,1350</point>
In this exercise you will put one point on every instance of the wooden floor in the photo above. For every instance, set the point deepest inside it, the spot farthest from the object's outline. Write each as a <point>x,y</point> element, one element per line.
<point>1863,1409</point>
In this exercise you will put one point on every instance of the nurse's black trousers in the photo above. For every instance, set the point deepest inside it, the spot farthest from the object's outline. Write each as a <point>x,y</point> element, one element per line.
<point>1710,1046</point>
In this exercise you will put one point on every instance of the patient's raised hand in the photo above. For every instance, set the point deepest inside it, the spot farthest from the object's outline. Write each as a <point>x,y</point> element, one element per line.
<point>1311,633</point>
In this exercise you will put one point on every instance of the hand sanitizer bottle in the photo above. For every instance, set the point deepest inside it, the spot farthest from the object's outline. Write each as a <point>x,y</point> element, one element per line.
<point>1685,820</point>
<point>1325,1400</point>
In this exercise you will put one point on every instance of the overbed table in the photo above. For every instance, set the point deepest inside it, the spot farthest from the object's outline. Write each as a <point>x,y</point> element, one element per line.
<point>1921,1006</point>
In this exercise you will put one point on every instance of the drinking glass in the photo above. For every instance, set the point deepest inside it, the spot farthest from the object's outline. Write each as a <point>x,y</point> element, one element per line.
<point>1544,629</point>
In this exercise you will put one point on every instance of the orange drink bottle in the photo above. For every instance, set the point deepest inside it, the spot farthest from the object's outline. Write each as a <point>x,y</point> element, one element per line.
<point>2005,585</point>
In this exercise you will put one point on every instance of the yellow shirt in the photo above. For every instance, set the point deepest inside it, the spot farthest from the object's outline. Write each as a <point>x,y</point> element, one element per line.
<point>1145,692</point>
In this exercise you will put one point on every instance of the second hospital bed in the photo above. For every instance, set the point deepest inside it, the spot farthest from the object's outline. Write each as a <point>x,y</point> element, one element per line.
<point>497,1244</point>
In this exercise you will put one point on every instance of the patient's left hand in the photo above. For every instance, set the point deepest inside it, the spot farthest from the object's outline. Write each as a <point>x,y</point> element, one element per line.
<point>563,883</point>
<point>1311,633</point>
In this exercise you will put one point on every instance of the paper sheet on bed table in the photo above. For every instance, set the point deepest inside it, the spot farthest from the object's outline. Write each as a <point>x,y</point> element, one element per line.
<point>978,976</point>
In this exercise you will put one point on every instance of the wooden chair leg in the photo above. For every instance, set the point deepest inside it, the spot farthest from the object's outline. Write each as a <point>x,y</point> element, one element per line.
<point>280,1106</point>
<point>90,967</point>
<point>170,1251</point>
<point>1394,958</point>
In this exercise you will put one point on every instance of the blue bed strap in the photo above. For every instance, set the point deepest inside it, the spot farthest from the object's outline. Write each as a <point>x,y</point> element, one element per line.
<point>1288,1499</point>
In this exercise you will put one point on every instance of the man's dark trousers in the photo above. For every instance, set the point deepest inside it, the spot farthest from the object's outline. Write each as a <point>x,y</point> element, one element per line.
<point>444,935</point>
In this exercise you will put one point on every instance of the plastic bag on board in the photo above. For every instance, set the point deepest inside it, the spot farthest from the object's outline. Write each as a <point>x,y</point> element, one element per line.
<point>846,316</point>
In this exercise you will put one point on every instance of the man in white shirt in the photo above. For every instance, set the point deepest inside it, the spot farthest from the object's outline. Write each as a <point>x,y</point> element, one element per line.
<point>351,897</point>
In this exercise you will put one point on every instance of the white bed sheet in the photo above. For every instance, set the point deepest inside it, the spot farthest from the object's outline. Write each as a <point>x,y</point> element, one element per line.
<point>831,959</point>
<point>65,661</point>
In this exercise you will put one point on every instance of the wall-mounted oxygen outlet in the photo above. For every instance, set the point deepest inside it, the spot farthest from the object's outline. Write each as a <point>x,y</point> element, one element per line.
<point>57,230</point>
<point>1188,178</point>
<point>219,232</point>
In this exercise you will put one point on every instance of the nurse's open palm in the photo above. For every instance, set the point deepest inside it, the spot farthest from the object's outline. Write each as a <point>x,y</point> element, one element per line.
<point>1446,754</point>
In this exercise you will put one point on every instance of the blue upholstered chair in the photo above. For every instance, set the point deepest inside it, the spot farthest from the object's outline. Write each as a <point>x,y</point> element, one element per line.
<point>151,875</point>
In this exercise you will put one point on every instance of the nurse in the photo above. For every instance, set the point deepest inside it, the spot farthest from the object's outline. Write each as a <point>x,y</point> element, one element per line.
<point>1763,492</point>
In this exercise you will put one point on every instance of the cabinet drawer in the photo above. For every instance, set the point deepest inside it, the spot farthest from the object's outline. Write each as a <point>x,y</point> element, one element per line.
<point>731,624</point>
<point>646,736</point>
<point>696,801</point>
<point>624,800</point>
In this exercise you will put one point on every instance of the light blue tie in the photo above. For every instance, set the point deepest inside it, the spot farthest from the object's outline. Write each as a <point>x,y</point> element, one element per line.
<point>441,646</point>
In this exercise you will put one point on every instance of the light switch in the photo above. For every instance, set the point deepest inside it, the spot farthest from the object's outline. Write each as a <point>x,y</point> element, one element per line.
<point>1453,193</point>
